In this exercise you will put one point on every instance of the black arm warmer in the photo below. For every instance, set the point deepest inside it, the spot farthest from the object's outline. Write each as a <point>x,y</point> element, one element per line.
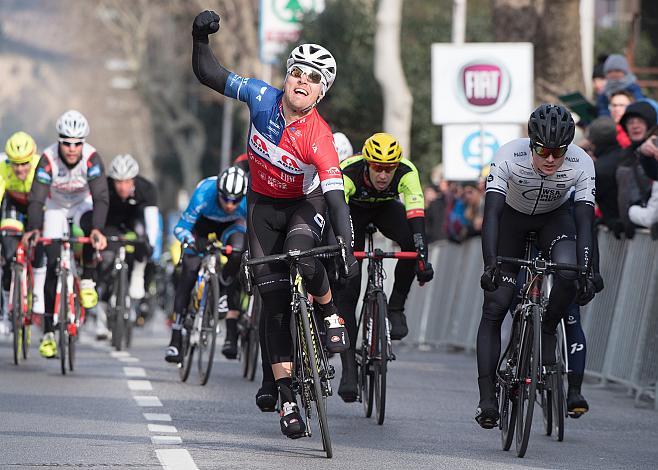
<point>650,166</point>
<point>493,208</point>
<point>339,213</point>
<point>100,195</point>
<point>37,199</point>
<point>205,66</point>
<point>417,226</point>
<point>584,215</point>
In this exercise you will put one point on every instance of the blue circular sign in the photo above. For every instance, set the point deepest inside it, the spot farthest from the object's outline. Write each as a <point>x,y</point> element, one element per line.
<point>479,148</point>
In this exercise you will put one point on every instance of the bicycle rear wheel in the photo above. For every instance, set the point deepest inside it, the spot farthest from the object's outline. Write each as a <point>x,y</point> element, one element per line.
<point>117,312</point>
<point>17,313</point>
<point>187,354</point>
<point>558,405</point>
<point>381,360</point>
<point>63,320</point>
<point>508,410</point>
<point>312,357</point>
<point>528,375</point>
<point>366,384</point>
<point>208,333</point>
<point>73,335</point>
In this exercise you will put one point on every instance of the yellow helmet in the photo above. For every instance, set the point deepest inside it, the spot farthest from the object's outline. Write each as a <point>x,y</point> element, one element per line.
<point>20,147</point>
<point>382,148</point>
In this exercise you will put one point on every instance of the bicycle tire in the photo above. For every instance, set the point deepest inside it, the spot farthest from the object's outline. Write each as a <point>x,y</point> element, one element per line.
<point>208,333</point>
<point>25,341</point>
<point>73,339</point>
<point>254,339</point>
<point>528,376</point>
<point>508,410</point>
<point>188,355</point>
<point>63,320</point>
<point>381,364</point>
<point>17,313</point>
<point>366,386</point>
<point>311,357</point>
<point>125,302</point>
<point>559,404</point>
<point>546,403</point>
<point>117,314</point>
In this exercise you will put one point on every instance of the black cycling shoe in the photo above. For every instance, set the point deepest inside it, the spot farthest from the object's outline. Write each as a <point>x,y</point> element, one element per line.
<point>398,323</point>
<point>230,349</point>
<point>576,404</point>
<point>172,353</point>
<point>266,397</point>
<point>292,425</point>
<point>349,387</point>
<point>487,416</point>
<point>548,345</point>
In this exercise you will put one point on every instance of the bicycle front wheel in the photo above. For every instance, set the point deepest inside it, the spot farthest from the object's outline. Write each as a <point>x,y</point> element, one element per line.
<point>381,360</point>
<point>17,314</point>
<point>63,342</point>
<point>363,361</point>
<point>254,339</point>
<point>528,375</point>
<point>208,333</point>
<point>312,357</point>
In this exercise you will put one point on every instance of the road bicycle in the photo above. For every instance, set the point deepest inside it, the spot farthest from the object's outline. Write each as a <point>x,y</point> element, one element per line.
<point>311,372</point>
<point>249,337</point>
<point>207,307</point>
<point>376,348</point>
<point>520,371</point>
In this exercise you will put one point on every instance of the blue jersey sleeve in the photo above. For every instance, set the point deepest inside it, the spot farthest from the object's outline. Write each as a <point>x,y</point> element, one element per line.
<point>202,197</point>
<point>256,93</point>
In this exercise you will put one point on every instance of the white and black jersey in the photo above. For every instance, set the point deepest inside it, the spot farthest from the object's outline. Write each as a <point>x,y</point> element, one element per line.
<point>530,192</point>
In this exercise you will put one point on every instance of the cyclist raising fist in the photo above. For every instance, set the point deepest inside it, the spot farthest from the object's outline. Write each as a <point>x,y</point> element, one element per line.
<point>294,177</point>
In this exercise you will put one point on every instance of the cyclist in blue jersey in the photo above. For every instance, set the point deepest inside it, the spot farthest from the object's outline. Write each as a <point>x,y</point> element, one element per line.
<point>217,206</point>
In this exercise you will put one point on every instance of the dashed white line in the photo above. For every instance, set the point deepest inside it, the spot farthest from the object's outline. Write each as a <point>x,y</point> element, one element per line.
<point>134,371</point>
<point>162,428</point>
<point>157,417</point>
<point>147,401</point>
<point>176,459</point>
<point>128,359</point>
<point>140,385</point>
<point>166,440</point>
<point>119,353</point>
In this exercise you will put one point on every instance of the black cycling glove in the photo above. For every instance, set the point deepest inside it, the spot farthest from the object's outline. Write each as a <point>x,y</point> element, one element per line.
<point>489,278</point>
<point>205,23</point>
<point>586,291</point>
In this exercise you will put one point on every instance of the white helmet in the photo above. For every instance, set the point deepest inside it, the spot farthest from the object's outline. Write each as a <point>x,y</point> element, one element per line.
<point>123,167</point>
<point>72,124</point>
<point>317,57</point>
<point>232,183</point>
<point>343,146</point>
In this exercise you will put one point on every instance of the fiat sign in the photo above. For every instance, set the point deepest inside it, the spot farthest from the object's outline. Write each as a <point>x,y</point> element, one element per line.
<point>480,82</point>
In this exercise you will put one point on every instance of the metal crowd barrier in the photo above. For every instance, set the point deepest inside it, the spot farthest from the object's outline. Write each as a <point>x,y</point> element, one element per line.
<point>620,324</point>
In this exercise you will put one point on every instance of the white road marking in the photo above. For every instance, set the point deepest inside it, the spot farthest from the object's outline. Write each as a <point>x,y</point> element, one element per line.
<point>157,417</point>
<point>176,459</point>
<point>119,354</point>
<point>147,401</point>
<point>166,440</point>
<point>140,385</point>
<point>134,371</point>
<point>164,428</point>
<point>128,359</point>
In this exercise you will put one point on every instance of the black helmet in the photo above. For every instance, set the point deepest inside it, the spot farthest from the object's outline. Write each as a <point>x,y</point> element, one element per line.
<point>232,184</point>
<point>551,125</point>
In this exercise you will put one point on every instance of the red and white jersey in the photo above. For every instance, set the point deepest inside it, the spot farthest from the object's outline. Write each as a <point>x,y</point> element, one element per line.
<point>290,161</point>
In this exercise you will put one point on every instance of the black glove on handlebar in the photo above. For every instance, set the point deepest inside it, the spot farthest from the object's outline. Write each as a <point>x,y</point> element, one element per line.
<point>598,282</point>
<point>205,23</point>
<point>489,278</point>
<point>586,291</point>
<point>424,272</point>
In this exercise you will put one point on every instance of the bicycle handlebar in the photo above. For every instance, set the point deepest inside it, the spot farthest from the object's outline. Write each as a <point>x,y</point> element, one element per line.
<point>49,241</point>
<point>322,252</point>
<point>540,265</point>
<point>126,241</point>
<point>379,254</point>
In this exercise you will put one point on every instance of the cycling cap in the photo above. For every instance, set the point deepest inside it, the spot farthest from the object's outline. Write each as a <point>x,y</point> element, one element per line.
<point>232,183</point>
<point>20,147</point>
<point>317,57</point>
<point>343,146</point>
<point>551,126</point>
<point>382,148</point>
<point>123,167</point>
<point>72,124</point>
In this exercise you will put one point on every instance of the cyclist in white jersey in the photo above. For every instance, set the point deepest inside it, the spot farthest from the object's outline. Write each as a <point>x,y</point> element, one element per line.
<point>69,183</point>
<point>528,190</point>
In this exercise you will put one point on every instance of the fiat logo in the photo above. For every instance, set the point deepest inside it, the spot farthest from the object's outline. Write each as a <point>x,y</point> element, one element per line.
<point>485,85</point>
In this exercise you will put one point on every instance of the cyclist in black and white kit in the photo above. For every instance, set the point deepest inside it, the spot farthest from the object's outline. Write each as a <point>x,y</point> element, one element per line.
<point>528,189</point>
<point>133,212</point>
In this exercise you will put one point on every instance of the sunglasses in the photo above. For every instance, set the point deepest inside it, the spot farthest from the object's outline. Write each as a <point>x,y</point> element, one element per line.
<point>69,143</point>
<point>313,75</point>
<point>230,200</point>
<point>20,165</point>
<point>545,152</point>
<point>383,167</point>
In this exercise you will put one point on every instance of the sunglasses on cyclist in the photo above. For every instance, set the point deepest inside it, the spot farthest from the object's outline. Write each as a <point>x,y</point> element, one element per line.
<point>383,167</point>
<point>230,200</point>
<point>313,75</point>
<point>545,152</point>
<point>71,143</point>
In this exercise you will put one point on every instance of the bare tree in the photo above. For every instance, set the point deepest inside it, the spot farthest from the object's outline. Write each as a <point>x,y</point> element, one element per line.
<point>554,28</point>
<point>389,73</point>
